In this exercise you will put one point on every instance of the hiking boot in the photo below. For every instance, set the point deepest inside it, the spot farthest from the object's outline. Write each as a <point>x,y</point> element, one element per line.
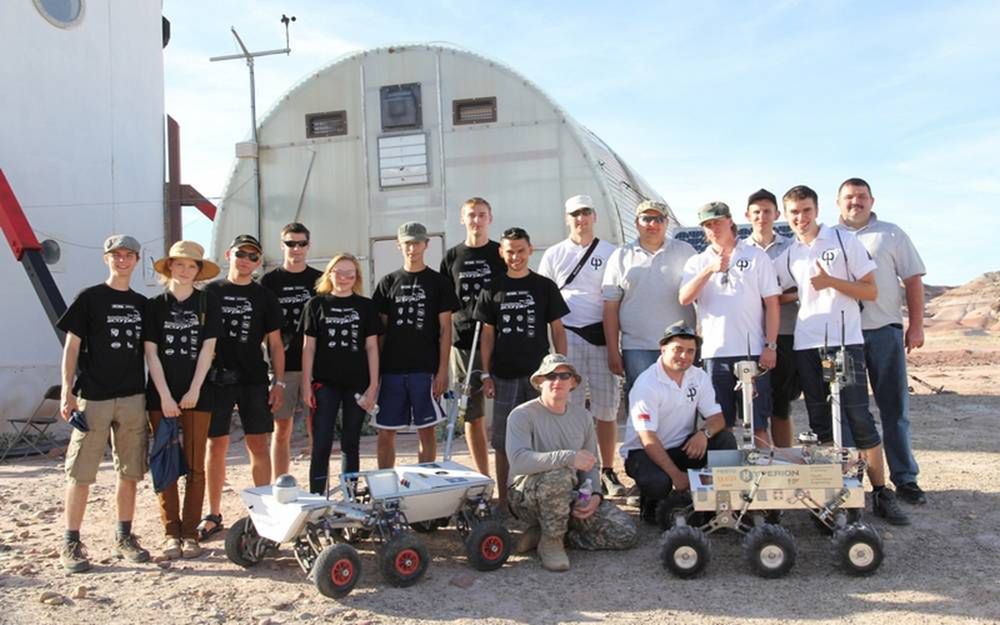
<point>911,494</point>
<point>609,482</point>
<point>74,557</point>
<point>553,553</point>
<point>528,539</point>
<point>128,548</point>
<point>171,549</point>
<point>885,505</point>
<point>632,497</point>
<point>190,548</point>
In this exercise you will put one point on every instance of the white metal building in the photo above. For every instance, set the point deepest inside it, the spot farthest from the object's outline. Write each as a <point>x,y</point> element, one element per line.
<point>81,143</point>
<point>409,132</point>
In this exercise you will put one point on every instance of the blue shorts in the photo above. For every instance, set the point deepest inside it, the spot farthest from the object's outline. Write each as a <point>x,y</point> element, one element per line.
<point>406,399</point>
<point>731,400</point>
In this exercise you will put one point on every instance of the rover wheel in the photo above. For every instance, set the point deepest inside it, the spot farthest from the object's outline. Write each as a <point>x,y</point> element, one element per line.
<point>685,551</point>
<point>668,509</point>
<point>487,545</point>
<point>243,543</point>
<point>769,550</point>
<point>403,559</point>
<point>337,570</point>
<point>858,549</point>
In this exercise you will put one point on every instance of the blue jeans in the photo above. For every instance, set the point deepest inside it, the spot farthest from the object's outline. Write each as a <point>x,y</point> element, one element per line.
<point>857,423</point>
<point>329,401</point>
<point>885,356</point>
<point>635,361</point>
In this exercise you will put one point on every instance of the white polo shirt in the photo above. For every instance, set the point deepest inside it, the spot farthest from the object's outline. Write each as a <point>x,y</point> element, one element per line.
<point>897,259</point>
<point>583,294</point>
<point>774,249</point>
<point>729,305</point>
<point>658,404</point>
<point>819,311</point>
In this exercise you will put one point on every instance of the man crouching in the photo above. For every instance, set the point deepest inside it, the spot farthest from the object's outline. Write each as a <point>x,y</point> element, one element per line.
<point>552,448</point>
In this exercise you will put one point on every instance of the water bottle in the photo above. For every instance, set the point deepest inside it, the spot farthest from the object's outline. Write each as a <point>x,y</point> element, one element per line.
<point>586,490</point>
<point>374,411</point>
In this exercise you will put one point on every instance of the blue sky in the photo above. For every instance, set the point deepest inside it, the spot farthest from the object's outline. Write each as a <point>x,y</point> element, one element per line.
<point>707,101</point>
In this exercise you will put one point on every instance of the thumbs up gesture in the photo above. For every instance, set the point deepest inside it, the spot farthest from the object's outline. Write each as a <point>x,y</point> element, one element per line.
<point>822,279</point>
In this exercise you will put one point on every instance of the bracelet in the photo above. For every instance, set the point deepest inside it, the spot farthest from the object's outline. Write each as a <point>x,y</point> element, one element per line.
<point>280,383</point>
<point>484,376</point>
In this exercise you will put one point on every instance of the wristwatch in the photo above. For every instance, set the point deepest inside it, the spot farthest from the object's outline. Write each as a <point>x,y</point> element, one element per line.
<point>771,345</point>
<point>484,376</point>
<point>706,433</point>
<point>280,383</point>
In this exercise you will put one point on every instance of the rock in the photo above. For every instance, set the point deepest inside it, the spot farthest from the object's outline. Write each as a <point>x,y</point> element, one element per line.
<point>262,613</point>
<point>306,616</point>
<point>80,592</point>
<point>40,515</point>
<point>887,535</point>
<point>350,616</point>
<point>265,621</point>
<point>155,604</point>
<point>57,600</point>
<point>46,595</point>
<point>164,564</point>
<point>24,506</point>
<point>25,534</point>
<point>463,580</point>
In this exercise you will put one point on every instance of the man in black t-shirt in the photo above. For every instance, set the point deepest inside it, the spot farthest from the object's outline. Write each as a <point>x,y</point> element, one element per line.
<point>294,283</point>
<point>415,304</point>
<point>250,315</point>
<point>103,329</point>
<point>471,266</point>
<point>517,312</point>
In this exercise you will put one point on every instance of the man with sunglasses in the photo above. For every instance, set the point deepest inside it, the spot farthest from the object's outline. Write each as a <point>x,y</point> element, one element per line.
<point>293,283</point>
<point>251,316</point>
<point>552,448</point>
<point>577,265</point>
<point>518,311</point>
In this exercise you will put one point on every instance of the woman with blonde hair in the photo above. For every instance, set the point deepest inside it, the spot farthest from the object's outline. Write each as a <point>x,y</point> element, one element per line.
<point>339,361</point>
<point>179,333</point>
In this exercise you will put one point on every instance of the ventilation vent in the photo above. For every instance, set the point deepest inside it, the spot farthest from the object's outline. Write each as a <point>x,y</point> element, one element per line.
<point>326,124</point>
<point>474,111</point>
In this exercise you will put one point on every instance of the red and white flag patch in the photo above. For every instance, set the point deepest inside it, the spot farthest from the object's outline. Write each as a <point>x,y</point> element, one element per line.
<point>644,416</point>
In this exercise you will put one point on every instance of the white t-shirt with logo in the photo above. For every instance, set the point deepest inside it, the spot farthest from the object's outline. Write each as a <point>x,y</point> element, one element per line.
<point>658,404</point>
<point>729,305</point>
<point>583,294</point>
<point>819,317</point>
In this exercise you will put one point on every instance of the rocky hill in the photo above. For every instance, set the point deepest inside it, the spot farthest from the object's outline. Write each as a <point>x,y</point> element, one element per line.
<point>974,305</point>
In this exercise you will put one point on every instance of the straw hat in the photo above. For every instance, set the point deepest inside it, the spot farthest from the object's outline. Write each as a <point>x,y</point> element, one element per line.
<point>192,251</point>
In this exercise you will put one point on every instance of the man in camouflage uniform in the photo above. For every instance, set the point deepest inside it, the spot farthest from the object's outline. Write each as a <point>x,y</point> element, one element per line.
<point>552,447</point>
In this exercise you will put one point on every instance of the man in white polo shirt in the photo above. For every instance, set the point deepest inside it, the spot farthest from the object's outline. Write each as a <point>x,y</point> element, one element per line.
<point>577,266</point>
<point>728,282</point>
<point>673,421</point>
<point>831,273</point>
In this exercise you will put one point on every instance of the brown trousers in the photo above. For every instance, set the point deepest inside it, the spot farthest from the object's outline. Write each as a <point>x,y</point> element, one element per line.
<point>194,439</point>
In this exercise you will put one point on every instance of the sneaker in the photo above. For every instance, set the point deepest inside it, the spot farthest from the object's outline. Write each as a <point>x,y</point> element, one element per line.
<point>632,497</point>
<point>885,505</point>
<point>609,482</point>
<point>171,549</point>
<point>911,493</point>
<point>74,557</point>
<point>128,548</point>
<point>552,552</point>
<point>190,548</point>
<point>528,539</point>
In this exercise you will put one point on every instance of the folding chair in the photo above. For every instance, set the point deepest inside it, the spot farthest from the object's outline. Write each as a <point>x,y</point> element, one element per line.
<point>34,429</point>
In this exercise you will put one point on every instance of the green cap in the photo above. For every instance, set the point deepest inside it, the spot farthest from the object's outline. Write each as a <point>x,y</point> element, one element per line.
<point>412,231</point>
<point>713,210</point>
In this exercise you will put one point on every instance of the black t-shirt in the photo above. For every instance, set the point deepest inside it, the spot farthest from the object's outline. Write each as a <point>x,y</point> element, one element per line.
<point>109,324</point>
<point>471,270</point>
<point>249,313</point>
<point>293,290</point>
<point>340,326</point>
<point>179,330</point>
<point>520,309</point>
<point>412,303</point>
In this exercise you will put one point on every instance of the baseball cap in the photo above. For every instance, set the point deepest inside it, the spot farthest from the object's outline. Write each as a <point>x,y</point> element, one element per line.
<point>650,205</point>
<point>577,202</point>
<point>121,242</point>
<point>246,240</point>
<point>549,364</point>
<point>679,328</point>
<point>412,231</point>
<point>713,210</point>
<point>762,194</point>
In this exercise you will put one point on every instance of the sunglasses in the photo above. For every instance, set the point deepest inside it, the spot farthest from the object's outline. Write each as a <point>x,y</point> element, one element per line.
<point>251,256</point>
<point>295,244</point>
<point>651,219</point>
<point>515,233</point>
<point>583,212</point>
<point>558,375</point>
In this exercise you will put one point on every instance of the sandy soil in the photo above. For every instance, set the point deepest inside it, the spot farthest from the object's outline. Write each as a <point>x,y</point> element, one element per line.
<point>945,568</point>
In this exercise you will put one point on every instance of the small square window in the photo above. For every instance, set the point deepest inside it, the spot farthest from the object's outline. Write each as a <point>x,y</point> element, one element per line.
<point>474,111</point>
<point>328,124</point>
<point>401,107</point>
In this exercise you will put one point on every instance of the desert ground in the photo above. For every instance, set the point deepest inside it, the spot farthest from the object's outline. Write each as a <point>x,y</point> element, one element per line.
<point>945,568</point>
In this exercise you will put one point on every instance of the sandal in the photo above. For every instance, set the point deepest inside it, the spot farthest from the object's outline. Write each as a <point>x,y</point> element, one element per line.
<point>205,530</point>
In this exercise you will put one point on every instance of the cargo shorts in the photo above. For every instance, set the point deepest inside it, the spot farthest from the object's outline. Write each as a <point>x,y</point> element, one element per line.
<point>124,418</point>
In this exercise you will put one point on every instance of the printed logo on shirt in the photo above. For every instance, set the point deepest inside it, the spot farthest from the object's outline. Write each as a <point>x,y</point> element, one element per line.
<point>411,306</point>
<point>125,327</point>
<point>292,300</point>
<point>644,416</point>
<point>829,256</point>
<point>596,263</point>
<point>180,334</point>
<point>473,278</point>
<point>691,393</point>
<point>517,314</point>
<point>343,328</point>
<point>237,313</point>
<point>742,264</point>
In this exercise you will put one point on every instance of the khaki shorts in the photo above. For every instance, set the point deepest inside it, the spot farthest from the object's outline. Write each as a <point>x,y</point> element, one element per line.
<point>292,404</point>
<point>124,418</point>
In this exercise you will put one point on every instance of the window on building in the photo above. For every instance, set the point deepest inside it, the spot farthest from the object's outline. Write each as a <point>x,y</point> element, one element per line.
<point>401,107</point>
<point>61,13</point>
<point>474,111</point>
<point>329,124</point>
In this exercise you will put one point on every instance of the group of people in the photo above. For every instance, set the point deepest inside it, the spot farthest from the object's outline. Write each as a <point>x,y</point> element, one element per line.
<point>551,347</point>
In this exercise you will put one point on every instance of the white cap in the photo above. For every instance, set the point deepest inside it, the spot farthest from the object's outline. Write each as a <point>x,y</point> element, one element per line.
<point>577,202</point>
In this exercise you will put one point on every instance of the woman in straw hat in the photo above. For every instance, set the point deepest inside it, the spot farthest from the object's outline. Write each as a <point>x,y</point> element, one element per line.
<point>181,326</point>
<point>339,362</point>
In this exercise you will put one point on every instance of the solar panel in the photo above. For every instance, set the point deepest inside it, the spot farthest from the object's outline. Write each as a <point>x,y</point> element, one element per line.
<point>695,236</point>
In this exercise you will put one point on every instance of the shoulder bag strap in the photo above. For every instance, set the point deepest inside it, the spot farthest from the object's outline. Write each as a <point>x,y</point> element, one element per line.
<point>579,265</point>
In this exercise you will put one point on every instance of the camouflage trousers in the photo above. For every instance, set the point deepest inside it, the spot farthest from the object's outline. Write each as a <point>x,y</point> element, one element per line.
<point>545,499</point>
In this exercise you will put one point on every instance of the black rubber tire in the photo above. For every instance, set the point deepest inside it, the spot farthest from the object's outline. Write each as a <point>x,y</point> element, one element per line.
<point>858,549</point>
<point>337,570</point>
<point>769,550</point>
<point>488,545</point>
<point>667,509</point>
<point>685,551</point>
<point>239,540</point>
<point>403,559</point>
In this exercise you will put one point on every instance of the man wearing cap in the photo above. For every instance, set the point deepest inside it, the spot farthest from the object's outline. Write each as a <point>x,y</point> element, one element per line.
<point>471,266</point>
<point>415,303</point>
<point>830,273</point>
<point>102,393</point>
<point>762,212</point>
<point>886,345</point>
<point>293,283</point>
<point>577,266</point>
<point>729,281</point>
<point>251,316</point>
<point>674,421</point>
<point>552,448</point>
<point>640,291</point>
